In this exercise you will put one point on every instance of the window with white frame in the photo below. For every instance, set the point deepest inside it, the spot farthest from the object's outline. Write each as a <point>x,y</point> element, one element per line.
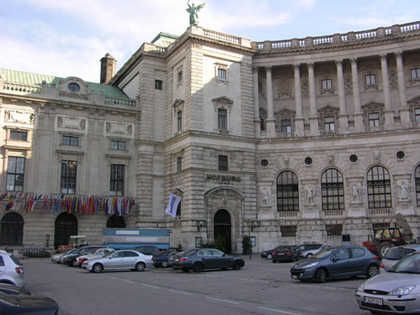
<point>18,135</point>
<point>68,176</point>
<point>222,117</point>
<point>329,124</point>
<point>70,140</point>
<point>118,145</point>
<point>415,74</point>
<point>286,127</point>
<point>374,120</point>
<point>326,85</point>
<point>15,173</point>
<point>370,80</point>
<point>221,73</point>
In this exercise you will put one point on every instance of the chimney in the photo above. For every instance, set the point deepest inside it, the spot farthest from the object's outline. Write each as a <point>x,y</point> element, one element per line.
<point>107,68</point>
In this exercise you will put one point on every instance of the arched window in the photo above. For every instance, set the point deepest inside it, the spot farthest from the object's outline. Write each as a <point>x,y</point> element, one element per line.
<point>379,188</point>
<point>11,227</point>
<point>417,176</point>
<point>332,188</point>
<point>287,192</point>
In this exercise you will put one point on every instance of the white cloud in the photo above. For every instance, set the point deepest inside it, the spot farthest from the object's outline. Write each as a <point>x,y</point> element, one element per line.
<point>306,4</point>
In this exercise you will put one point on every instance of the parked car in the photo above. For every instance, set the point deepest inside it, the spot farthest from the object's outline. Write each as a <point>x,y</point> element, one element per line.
<point>58,258</point>
<point>394,254</point>
<point>269,253</point>
<point>99,253</point>
<point>119,260</point>
<point>12,289</point>
<point>393,292</point>
<point>163,259</point>
<point>285,254</point>
<point>200,259</point>
<point>70,257</point>
<point>338,262</point>
<point>148,250</point>
<point>308,250</point>
<point>11,304</point>
<point>11,269</point>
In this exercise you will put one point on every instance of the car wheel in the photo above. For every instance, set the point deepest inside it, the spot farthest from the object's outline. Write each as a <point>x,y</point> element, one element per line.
<point>198,267</point>
<point>320,275</point>
<point>383,248</point>
<point>97,268</point>
<point>269,256</point>
<point>140,266</point>
<point>372,271</point>
<point>237,265</point>
<point>185,269</point>
<point>164,264</point>
<point>308,256</point>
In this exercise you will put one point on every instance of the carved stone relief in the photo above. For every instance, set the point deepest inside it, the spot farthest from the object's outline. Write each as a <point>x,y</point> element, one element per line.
<point>404,189</point>
<point>310,194</point>
<point>265,193</point>
<point>19,117</point>
<point>120,129</point>
<point>71,123</point>
<point>356,193</point>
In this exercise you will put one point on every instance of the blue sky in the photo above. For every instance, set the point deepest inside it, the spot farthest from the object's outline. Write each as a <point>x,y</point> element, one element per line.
<point>67,38</point>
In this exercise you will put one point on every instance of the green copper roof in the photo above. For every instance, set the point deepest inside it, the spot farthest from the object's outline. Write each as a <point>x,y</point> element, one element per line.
<point>34,81</point>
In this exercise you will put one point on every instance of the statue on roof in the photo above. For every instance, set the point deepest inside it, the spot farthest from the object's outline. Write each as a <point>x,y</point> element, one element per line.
<point>193,11</point>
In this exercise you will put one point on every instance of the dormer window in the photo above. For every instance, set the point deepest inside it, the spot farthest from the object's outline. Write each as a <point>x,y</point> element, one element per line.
<point>73,87</point>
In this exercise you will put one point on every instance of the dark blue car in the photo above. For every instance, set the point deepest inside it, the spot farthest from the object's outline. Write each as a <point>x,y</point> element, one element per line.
<point>162,259</point>
<point>336,263</point>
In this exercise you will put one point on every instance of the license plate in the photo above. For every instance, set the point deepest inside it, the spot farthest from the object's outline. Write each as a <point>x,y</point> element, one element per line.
<point>373,300</point>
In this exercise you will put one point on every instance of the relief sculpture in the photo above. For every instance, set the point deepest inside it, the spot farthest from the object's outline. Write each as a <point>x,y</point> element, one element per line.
<point>18,117</point>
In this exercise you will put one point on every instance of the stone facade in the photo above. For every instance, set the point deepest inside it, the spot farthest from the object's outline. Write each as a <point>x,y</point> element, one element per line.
<point>216,119</point>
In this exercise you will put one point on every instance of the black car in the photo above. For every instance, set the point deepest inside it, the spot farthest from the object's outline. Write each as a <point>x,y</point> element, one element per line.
<point>148,250</point>
<point>70,258</point>
<point>12,289</point>
<point>11,304</point>
<point>285,254</point>
<point>163,259</point>
<point>269,253</point>
<point>200,259</point>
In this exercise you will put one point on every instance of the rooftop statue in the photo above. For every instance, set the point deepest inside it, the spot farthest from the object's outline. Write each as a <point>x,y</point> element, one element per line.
<point>193,11</point>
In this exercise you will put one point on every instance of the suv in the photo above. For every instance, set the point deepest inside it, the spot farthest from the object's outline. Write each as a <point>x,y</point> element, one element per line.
<point>11,270</point>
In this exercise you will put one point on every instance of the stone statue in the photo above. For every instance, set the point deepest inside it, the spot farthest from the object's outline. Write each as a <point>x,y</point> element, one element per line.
<point>266,195</point>
<point>403,185</point>
<point>193,11</point>
<point>309,194</point>
<point>356,193</point>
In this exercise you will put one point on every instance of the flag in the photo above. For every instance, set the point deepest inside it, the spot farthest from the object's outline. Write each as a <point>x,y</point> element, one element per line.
<point>174,201</point>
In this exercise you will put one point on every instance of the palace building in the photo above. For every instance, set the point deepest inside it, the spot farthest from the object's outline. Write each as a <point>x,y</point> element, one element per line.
<point>286,141</point>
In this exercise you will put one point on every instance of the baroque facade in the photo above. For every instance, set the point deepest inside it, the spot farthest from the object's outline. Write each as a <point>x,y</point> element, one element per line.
<point>285,141</point>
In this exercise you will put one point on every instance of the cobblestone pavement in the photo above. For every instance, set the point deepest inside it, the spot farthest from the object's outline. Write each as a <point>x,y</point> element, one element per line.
<point>260,288</point>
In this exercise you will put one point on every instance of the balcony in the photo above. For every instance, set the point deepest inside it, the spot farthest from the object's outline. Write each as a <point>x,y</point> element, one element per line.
<point>333,213</point>
<point>382,212</point>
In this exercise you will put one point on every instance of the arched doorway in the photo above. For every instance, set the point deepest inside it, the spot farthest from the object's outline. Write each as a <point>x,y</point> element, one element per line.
<point>11,229</point>
<point>65,225</point>
<point>222,230</point>
<point>115,221</point>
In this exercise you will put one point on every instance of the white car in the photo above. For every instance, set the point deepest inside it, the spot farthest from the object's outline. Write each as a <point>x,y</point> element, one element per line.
<point>11,270</point>
<point>119,260</point>
<point>99,253</point>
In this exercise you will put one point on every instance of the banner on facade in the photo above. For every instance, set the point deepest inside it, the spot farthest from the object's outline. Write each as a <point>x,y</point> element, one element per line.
<point>173,204</point>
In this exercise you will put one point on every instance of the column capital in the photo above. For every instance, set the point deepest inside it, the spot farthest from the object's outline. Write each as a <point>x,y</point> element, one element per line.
<point>383,55</point>
<point>296,65</point>
<point>398,52</point>
<point>353,59</point>
<point>267,68</point>
<point>338,61</point>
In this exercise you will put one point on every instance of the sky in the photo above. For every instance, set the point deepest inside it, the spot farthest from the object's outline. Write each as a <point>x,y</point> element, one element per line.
<point>67,38</point>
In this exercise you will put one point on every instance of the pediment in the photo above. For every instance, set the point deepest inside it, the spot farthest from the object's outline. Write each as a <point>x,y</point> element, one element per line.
<point>222,100</point>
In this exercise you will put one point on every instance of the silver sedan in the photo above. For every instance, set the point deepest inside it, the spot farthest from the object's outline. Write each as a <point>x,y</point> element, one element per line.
<point>393,292</point>
<point>119,260</point>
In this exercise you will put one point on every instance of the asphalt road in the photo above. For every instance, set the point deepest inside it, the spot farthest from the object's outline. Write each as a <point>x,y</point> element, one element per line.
<point>261,287</point>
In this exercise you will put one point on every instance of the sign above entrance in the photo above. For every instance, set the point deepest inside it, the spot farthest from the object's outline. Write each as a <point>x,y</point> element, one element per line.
<point>223,179</point>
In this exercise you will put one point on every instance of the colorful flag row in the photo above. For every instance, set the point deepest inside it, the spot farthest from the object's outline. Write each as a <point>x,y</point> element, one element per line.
<point>77,204</point>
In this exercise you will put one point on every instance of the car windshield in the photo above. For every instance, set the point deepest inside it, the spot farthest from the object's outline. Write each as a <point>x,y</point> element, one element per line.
<point>408,264</point>
<point>396,253</point>
<point>323,253</point>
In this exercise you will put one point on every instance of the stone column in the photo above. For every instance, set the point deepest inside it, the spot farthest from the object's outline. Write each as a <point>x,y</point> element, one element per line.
<point>358,115</point>
<point>389,114</point>
<point>404,111</point>
<point>342,118</point>
<point>256,103</point>
<point>313,118</point>
<point>299,120</point>
<point>271,131</point>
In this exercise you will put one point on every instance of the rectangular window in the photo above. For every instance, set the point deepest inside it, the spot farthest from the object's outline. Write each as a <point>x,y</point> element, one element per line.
<point>326,85</point>
<point>415,74</point>
<point>329,124</point>
<point>71,140</point>
<point>370,80</point>
<point>179,164</point>
<point>288,230</point>
<point>116,183</point>
<point>286,127</point>
<point>158,84</point>
<point>221,74</point>
<point>222,119</point>
<point>373,119</point>
<point>118,145</point>
<point>180,76</point>
<point>15,173</point>
<point>334,229</point>
<point>179,121</point>
<point>18,135</point>
<point>68,176</point>
<point>223,163</point>
<point>417,115</point>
